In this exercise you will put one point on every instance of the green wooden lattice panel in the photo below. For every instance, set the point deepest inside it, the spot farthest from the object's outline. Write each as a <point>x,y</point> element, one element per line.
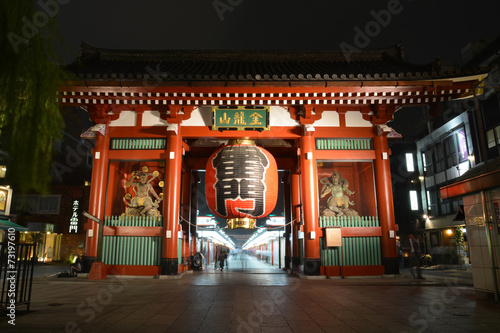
<point>131,250</point>
<point>356,251</point>
<point>348,221</point>
<point>133,221</point>
<point>138,143</point>
<point>344,144</point>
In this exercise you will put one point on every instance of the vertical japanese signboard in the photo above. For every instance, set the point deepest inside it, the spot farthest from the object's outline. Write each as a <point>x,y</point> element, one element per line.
<point>240,118</point>
<point>74,220</point>
<point>462,146</point>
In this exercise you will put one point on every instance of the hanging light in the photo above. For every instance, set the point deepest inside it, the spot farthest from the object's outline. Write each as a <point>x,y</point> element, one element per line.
<point>241,183</point>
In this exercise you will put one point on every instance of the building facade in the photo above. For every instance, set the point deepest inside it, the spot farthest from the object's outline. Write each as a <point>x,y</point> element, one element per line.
<point>479,188</point>
<point>54,220</point>
<point>450,195</point>
<point>159,115</point>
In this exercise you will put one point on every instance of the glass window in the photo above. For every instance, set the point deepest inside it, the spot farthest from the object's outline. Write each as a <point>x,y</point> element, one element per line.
<point>497,134</point>
<point>37,204</point>
<point>409,162</point>
<point>438,152</point>
<point>427,160</point>
<point>49,204</point>
<point>439,158</point>
<point>493,137</point>
<point>440,166</point>
<point>450,152</point>
<point>413,200</point>
<point>432,200</point>
<point>490,137</point>
<point>449,146</point>
<point>445,208</point>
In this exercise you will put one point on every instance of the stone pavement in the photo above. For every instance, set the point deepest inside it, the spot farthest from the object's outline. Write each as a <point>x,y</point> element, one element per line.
<point>256,298</point>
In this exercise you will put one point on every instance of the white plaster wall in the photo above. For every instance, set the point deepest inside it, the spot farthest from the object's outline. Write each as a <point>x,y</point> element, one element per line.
<point>126,119</point>
<point>328,119</point>
<point>279,116</point>
<point>152,118</point>
<point>355,119</point>
<point>201,116</point>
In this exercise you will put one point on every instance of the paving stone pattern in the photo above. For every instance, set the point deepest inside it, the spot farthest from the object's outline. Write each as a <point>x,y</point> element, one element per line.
<point>253,297</point>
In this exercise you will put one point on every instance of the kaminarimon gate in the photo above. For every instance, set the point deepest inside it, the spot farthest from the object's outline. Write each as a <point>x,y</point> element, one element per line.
<point>160,115</point>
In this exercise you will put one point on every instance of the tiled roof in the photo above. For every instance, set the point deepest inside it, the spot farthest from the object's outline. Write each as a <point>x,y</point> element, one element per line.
<point>249,65</point>
<point>490,51</point>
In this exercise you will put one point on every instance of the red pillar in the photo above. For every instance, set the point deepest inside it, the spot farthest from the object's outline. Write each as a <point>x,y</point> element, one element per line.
<point>193,209</point>
<point>170,255</point>
<point>296,209</point>
<point>288,218</point>
<point>186,195</point>
<point>97,196</point>
<point>385,205</point>
<point>194,248</point>
<point>309,193</point>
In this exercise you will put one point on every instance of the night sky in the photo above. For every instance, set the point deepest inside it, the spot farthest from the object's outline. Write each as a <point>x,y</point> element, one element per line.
<point>426,28</point>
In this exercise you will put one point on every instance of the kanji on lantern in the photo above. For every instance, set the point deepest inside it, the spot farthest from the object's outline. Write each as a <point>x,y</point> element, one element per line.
<point>241,183</point>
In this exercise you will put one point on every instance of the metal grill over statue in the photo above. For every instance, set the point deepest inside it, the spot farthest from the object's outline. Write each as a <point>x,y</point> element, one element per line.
<point>241,183</point>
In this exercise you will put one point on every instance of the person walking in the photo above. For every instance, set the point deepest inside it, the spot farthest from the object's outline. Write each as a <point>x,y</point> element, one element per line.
<point>414,253</point>
<point>222,259</point>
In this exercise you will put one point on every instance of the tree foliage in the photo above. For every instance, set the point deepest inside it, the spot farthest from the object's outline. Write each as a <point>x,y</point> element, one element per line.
<point>30,117</point>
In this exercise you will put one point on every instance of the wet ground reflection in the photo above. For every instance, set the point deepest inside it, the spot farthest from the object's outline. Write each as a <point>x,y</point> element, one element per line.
<point>242,269</point>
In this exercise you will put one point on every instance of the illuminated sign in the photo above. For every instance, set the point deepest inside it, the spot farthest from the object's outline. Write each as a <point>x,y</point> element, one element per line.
<point>462,146</point>
<point>241,118</point>
<point>275,221</point>
<point>205,221</point>
<point>74,220</point>
<point>5,200</point>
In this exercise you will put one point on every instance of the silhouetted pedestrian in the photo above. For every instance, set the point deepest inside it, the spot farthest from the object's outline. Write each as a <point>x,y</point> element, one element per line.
<point>414,247</point>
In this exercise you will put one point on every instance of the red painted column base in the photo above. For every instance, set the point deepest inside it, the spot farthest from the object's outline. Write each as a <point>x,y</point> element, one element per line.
<point>369,270</point>
<point>98,271</point>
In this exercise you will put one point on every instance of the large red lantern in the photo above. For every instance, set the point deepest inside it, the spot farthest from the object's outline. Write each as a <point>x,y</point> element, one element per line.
<point>241,183</point>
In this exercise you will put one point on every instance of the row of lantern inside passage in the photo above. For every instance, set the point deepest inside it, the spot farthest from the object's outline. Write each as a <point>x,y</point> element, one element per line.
<point>241,183</point>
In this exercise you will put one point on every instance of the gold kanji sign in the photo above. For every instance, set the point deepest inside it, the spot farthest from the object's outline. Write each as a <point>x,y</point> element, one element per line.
<point>240,118</point>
